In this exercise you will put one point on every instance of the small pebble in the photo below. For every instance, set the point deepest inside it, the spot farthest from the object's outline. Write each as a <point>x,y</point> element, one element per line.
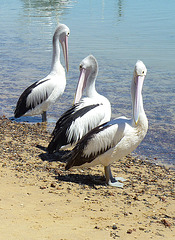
<point>96,227</point>
<point>114,227</point>
<point>129,231</point>
<point>166,223</point>
<point>53,185</point>
<point>163,199</point>
<point>135,197</point>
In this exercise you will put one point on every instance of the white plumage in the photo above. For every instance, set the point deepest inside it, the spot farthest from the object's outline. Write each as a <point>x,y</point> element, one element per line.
<point>101,113</point>
<point>116,138</point>
<point>84,115</point>
<point>37,98</point>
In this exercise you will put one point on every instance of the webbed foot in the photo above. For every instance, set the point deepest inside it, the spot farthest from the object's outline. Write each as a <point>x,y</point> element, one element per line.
<point>120,179</point>
<point>113,181</point>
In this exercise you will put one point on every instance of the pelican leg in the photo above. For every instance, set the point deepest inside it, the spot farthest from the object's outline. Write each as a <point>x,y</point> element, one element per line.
<point>44,117</point>
<point>110,180</point>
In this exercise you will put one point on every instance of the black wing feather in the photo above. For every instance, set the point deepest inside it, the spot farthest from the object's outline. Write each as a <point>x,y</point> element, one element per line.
<point>21,106</point>
<point>76,157</point>
<point>60,136</point>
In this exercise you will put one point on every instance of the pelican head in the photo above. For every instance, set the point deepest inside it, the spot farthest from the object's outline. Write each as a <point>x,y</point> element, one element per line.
<point>88,72</point>
<point>137,84</point>
<point>62,33</point>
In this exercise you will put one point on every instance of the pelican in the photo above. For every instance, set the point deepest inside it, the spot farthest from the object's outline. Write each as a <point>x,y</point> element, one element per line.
<point>115,139</point>
<point>84,115</point>
<point>37,98</point>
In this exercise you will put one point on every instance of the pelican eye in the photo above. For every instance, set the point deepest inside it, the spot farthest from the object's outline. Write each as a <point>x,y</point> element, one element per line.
<point>143,72</point>
<point>81,66</point>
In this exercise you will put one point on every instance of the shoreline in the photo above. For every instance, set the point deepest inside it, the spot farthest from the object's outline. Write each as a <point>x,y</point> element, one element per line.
<point>50,125</point>
<point>47,202</point>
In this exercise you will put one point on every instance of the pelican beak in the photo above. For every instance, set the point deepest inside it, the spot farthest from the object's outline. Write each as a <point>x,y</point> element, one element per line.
<point>64,45</point>
<point>81,85</point>
<point>138,92</point>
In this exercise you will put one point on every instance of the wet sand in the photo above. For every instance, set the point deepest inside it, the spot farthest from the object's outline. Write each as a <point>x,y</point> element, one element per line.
<point>40,200</point>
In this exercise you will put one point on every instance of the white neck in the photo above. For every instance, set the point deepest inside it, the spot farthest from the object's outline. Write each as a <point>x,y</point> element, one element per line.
<point>142,123</point>
<point>55,57</point>
<point>90,85</point>
<point>90,90</point>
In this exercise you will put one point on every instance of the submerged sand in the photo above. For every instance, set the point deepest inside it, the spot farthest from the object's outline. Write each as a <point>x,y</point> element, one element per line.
<point>40,200</point>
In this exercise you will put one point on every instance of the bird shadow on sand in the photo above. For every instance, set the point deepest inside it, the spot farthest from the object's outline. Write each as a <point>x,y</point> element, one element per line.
<point>82,179</point>
<point>51,157</point>
<point>79,178</point>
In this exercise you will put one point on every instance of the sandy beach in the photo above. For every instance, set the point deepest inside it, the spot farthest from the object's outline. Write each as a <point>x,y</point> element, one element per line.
<point>40,200</point>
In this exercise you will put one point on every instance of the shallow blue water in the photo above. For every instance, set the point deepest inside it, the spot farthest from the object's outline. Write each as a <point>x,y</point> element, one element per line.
<point>117,33</point>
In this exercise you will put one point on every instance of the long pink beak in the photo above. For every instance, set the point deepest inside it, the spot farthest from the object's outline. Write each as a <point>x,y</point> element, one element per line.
<point>137,101</point>
<point>80,86</point>
<point>64,44</point>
